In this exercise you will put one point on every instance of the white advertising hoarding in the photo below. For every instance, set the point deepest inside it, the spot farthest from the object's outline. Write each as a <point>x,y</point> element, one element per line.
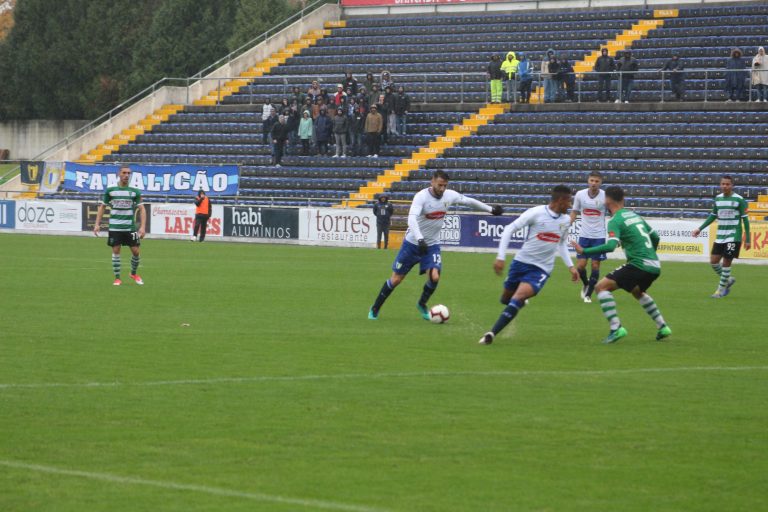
<point>49,215</point>
<point>179,219</point>
<point>354,226</point>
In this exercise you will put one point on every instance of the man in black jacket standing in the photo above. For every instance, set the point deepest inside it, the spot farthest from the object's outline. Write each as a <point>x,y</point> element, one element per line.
<point>627,65</point>
<point>605,65</point>
<point>676,76</point>
<point>383,211</point>
<point>279,135</point>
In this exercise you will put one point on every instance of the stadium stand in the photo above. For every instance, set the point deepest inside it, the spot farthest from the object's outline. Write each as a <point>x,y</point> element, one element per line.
<point>669,157</point>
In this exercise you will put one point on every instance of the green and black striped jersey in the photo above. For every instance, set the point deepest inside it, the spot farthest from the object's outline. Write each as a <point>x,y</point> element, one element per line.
<point>123,202</point>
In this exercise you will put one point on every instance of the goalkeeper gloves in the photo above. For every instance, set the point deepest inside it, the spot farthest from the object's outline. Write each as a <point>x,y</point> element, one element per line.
<point>497,209</point>
<point>423,247</point>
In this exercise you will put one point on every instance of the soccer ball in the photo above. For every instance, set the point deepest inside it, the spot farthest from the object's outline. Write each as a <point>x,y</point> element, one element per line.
<point>439,314</point>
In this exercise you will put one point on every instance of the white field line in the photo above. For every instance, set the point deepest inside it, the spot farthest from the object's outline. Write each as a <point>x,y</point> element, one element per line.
<point>373,376</point>
<point>175,486</point>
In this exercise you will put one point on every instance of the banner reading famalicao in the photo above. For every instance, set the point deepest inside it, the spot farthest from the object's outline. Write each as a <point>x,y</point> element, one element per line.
<point>155,179</point>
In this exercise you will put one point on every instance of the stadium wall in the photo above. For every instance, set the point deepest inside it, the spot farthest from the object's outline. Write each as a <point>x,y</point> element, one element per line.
<point>334,227</point>
<point>27,139</point>
<point>186,95</point>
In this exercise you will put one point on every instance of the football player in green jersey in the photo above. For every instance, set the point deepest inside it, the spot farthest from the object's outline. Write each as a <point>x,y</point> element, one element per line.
<point>124,203</point>
<point>639,242</point>
<point>730,210</point>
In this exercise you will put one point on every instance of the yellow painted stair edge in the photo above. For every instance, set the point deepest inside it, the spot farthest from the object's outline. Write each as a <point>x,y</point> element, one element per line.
<point>422,155</point>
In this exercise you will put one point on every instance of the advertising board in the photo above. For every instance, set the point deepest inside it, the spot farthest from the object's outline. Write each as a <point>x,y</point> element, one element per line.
<point>255,222</point>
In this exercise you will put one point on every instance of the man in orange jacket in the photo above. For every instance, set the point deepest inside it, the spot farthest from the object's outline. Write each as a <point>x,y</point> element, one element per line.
<point>202,214</point>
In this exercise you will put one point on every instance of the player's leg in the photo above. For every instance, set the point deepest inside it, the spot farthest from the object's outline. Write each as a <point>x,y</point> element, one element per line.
<point>135,260</point>
<point>115,259</point>
<point>523,282</point>
<point>581,268</point>
<point>379,232</point>
<point>433,278</point>
<point>386,236</point>
<point>715,261</point>
<point>650,307</point>
<point>727,280</point>
<point>593,277</point>
<point>605,288</point>
<point>406,258</point>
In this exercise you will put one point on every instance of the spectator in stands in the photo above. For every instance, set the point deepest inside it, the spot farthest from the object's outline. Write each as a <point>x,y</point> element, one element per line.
<point>293,120</point>
<point>338,98</point>
<point>402,106</point>
<point>495,75</point>
<point>374,123</point>
<point>734,77</point>
<point>605,65</point>
<point>305,131</point>
<point>567,77</point>
<point>316,106</point>
<point>509,68</point>
<point>266,126</point>
<point>381,106</point>
<point>314,91</point>
<point>355,131</point>
<point>307,104</point>
<point>673,70</point>
<point>350,83</point>
<point>340,127</point>
<point>285,106</point>
<point>323,131</point>
<point>369,82</point>
<point>760,74</point>
<point>266,110</point>
<point>627,66</point>
<point>386,80</point>
<point>373,96</point>
<point>553,68</point>
<point>389,104</point>
<point>297,96</point>
<point>546,76</point>
<point>524,78</point>
<point>324,94</point>
<point>279,136</point>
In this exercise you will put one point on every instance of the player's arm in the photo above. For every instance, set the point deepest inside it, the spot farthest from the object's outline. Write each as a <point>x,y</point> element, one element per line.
<point>614,231</point>
<point>478,205</point>
<point>655,239</point>
<point>576,208</point>
<point>506,236</point>
<point>99,215</point>
<point>142,214</point>
<point>709,220</point>
<point>745,219</point>
<point>562,248</point>
<point>413,219</point>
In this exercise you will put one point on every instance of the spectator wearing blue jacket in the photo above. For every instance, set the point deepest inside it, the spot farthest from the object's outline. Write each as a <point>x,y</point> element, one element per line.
<point>734,77</point>
<point>323,131</point>
<point>525,78</point>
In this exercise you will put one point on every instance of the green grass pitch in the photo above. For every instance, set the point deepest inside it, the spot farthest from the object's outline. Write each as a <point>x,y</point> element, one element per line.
<point>281,396</point>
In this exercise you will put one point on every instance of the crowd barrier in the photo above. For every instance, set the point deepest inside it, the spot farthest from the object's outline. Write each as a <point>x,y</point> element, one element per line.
<point>335,226</point>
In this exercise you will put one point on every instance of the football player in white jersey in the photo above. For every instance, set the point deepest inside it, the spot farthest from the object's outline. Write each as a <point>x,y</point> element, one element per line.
<point>547,237</point>
<point>422,240</point>
<point>590,203</point>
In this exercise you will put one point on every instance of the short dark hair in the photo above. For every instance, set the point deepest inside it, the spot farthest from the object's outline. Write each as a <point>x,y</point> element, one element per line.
<point>561,191</point>
<point>615,192</point>
<point>595,174</point>
<point>727,177</point>
<point>440,174</point>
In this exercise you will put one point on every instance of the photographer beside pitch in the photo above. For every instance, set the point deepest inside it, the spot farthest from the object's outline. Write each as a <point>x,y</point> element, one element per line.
<point>422,240</point>
<point>202,214</point>
<point>124,202</point>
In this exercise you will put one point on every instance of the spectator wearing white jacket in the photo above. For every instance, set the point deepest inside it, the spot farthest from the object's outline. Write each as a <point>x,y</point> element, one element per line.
<point>760,74</point>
